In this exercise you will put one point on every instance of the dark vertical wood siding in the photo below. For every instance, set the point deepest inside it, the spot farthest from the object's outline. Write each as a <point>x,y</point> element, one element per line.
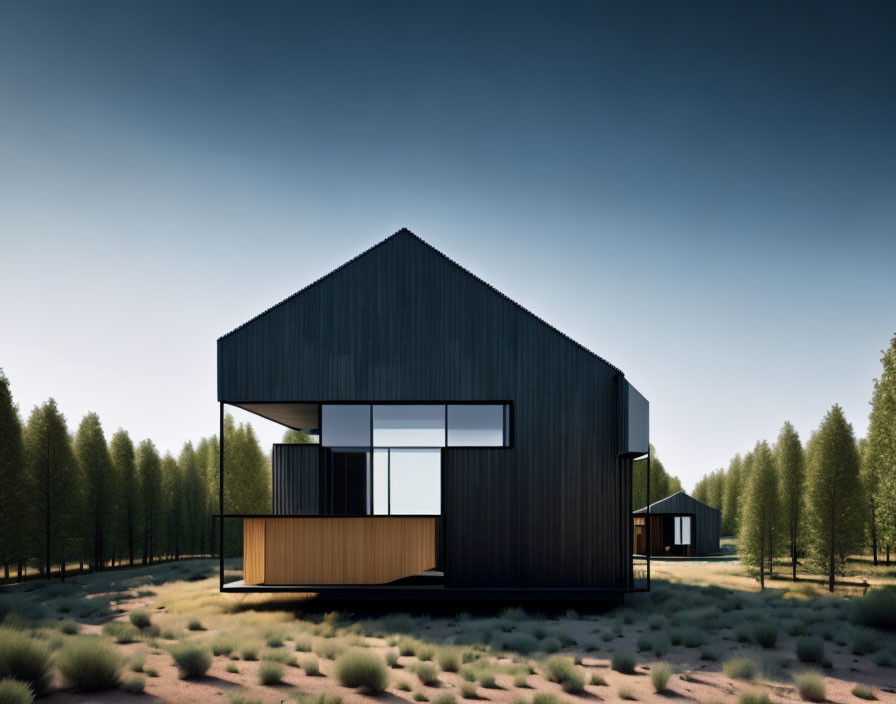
<point>403,323</point>
<point>296,474</point>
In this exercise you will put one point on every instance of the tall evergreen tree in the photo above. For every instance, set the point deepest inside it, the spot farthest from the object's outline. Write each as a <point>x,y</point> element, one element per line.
<point>12,480</point>
<point>879,466</point>
<point>54,487</point>
<point>149,471</point>
<point>759,515</point>
<point>791,479</point>
<point>247,477</point>
<point>95,466</point>
<point>834,501</point>
<point>731,501</point>
<point>661,483</point>
<point>195,500</point>
<point>128,492</point>
<point>298,437</point>
<point>173,512</point>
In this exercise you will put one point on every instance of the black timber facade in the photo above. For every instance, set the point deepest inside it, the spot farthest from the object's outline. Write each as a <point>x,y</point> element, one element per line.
<point>402,323</point>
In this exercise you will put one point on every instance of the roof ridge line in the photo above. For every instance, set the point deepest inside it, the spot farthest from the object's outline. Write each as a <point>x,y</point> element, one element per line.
<point>405,230</point>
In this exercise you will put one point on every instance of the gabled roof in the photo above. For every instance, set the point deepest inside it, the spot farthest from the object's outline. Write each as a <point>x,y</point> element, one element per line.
<point>679,502</point>
<point>404,232</point>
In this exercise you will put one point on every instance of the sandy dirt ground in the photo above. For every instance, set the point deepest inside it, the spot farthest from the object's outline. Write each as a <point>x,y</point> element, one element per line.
<point>697,671</point>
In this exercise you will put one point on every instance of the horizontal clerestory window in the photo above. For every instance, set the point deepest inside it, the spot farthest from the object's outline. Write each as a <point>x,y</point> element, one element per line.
<point>420,425</point>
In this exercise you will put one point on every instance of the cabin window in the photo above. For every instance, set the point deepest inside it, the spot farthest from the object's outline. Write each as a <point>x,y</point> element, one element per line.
<point>682,530</point>
<point>345,425</point>
<point>477,425</point>
<point>409,426</point>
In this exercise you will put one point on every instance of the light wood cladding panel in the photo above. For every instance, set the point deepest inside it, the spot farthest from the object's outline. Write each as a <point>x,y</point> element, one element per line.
<point>357,550</point>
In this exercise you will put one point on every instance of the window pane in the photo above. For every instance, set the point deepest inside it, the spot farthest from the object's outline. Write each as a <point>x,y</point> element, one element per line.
<point>381,482</point>
<point>476,425</point>
<point>685,530</point>
<point>677,520</point>
<point>409,426</point>
<point>416,481</point>
<point>345,426</point>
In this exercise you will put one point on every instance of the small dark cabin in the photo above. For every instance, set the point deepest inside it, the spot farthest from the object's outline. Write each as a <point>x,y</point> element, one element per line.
<point>464,447</point>
<point>680,526</point>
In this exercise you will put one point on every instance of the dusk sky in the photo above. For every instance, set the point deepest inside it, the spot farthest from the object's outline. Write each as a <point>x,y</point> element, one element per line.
<point>704,194</point>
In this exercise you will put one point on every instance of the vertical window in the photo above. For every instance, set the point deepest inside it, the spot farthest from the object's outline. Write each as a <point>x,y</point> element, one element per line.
<point>409,426</point>
<point>682,530</point>
<point>415,482</point>
<point>345,425</point>
<point>381,482</point>
<point>476,425</point>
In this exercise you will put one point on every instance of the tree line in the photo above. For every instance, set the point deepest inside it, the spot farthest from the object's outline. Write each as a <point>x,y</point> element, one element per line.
<point>103,502</point>
<point>820,502</point>
<point>662,484</point>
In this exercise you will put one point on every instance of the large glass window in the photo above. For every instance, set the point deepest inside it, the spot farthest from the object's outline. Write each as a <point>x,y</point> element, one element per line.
<point>345,425</point>
<point>409,426</point>
<point>476,425</point>
<point>415,482</point>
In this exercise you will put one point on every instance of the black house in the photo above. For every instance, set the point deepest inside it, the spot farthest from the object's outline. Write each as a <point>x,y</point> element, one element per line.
<point>679,526</point>
<point>466,447</point>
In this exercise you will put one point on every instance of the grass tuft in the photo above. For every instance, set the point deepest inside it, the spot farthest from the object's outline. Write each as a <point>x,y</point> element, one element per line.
<point>192,660</point>
<point>362,670</point>
<point>25,659</point>
<point>623,661</point>
<point>222,645</point>
<point>864,642</point>
<point>765,634</point>
<point>740,668</point>
<point>546,698</point>
<point>303,643</point>
<point>468,690</point>
<point>448,659</point>
<point>134,685</point>
<point>122,632</point>
<point>660,673</point>
<point>427,674</point>
<point>810,649</point>
<point>564,671</point>
<point>270,673</point>
<point>811,686</point>
<point>598,680</point>
<point>626,693</point>
<point>863,691</point>
<point>140,618</point>
<point>90,664</point>
<point>240,697</point>
<point>15,692</point>
<point>311,666</point>
<point>753,696</point>
<point>877,608</point>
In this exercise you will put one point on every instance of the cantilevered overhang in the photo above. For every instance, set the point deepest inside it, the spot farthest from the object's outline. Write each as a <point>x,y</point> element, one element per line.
<point>298,416</point>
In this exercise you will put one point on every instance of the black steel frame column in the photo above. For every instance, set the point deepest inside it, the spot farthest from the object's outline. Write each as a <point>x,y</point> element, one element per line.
<point>221,492</point>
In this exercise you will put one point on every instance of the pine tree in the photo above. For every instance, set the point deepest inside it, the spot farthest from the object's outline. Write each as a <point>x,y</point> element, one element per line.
<point>879,456</point>
<point>195,500</point>
<point>149,471</point>
<point>834,499</point>
<point>12,480</point>
<point>247,477</point>
<point>54,487</point>
<point>173,508</point>
<point>128,492</point>
<point>95,466</point>
<point>791,478</point>
<point>731,501</point>
<point>759,513</point>
<point>661,483</point>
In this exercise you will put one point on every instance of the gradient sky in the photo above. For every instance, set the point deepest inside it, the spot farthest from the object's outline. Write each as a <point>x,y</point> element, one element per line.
<point>702,193</point>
